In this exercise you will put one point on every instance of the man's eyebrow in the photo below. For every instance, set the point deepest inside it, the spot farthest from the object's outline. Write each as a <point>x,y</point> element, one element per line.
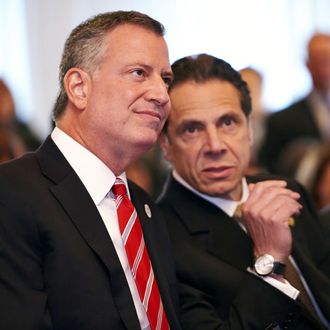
<point>169,76</point>
<point>189,122</point>
<point>168,73</point>
<point>140,64</point>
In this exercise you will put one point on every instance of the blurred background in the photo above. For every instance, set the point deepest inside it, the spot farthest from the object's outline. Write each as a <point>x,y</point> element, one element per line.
<point>269,35</point>
<point>266,40</point>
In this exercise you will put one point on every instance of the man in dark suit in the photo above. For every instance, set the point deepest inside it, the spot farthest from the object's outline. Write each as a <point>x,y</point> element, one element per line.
<point>235,240</point>
<point>307,120</point>
<point>63,261</point>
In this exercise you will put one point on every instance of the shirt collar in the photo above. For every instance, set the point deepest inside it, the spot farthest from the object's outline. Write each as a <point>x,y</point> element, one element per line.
<point>94,174</point>
<point>226,205</point>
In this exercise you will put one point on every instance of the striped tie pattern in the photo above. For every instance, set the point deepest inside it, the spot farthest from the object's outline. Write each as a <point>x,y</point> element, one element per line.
<point>138,258</point>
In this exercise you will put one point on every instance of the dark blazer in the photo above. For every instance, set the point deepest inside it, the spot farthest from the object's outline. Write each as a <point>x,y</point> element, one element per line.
<point>212,254</point>
<point>325,220</point>
<point>58,266</point>
<point>284,127</point>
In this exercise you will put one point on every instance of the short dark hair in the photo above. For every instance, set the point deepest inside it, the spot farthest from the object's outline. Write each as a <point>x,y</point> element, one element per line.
<point>84,47</point>
<point>204,67</point>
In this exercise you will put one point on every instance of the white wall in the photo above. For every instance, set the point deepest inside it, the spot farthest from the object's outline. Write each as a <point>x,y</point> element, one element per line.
<point>267,34</point>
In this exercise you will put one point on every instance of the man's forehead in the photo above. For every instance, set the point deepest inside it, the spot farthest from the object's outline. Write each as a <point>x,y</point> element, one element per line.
<point>137,45</point>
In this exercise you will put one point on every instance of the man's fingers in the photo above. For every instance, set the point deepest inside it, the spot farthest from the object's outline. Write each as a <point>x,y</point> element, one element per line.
<point>267,191</point>
<point>278,209</point>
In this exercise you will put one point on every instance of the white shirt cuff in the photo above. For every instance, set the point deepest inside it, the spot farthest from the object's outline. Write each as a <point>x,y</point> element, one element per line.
<point>286,287</point>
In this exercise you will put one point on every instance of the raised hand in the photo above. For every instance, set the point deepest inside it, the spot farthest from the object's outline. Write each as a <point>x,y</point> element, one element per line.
<point>266,215</point>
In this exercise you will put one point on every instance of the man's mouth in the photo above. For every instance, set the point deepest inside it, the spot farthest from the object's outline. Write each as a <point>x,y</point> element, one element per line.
<point>218,172</point>
<point>150,113</point>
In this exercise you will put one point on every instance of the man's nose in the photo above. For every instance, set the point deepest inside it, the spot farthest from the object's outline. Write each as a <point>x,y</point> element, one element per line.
<point>214,141</point>
<point>158,92</point>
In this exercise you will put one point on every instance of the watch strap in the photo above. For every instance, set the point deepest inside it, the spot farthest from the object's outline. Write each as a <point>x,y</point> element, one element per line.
<point>279,268</point>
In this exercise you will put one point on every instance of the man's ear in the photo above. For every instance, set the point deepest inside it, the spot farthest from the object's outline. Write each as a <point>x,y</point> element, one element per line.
<point>166,146</point>
<point>77,84</point>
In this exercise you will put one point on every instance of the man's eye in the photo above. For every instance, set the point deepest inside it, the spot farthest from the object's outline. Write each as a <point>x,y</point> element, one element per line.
<point>227,121</point>
<point>139,73</point>
<point>190,130</point>
<point>190,133</point>
<point>167,81</point>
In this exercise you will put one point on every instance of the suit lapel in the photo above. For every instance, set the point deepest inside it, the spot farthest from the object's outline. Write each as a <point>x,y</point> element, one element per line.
<point>74,198</point>
<point>222,232</point>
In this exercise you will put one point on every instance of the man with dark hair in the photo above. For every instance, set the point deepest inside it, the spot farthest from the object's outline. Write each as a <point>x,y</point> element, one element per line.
<point>241,243</point>
<point>82,247</point>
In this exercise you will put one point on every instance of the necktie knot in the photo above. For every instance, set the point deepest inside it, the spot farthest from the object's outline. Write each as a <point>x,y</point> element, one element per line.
<point>238,212</point>
<point>119,188</point>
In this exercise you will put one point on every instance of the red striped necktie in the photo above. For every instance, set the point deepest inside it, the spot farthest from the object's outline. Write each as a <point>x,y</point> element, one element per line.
<point>138,258</point>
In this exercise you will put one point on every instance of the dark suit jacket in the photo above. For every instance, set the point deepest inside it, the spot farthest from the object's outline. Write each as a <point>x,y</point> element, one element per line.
<point>325,220</point>
<point>212,254</point>
<point>284,127</point>
<point>58,266</point>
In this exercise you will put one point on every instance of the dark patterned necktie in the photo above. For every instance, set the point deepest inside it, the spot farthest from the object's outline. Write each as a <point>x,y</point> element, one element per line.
<point>292,275</point>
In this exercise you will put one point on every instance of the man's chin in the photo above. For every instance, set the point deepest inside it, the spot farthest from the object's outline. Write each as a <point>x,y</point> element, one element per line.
<point>217,190</point>
<point>147,143</point>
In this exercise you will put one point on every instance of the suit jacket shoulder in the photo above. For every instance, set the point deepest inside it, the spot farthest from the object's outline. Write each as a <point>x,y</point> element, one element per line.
<point>282,131</point>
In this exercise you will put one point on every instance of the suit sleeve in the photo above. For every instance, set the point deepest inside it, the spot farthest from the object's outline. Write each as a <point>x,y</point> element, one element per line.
<point>256,306</point>
<point>215,295</point>
<point>309,234</point>
<point>22,297</point>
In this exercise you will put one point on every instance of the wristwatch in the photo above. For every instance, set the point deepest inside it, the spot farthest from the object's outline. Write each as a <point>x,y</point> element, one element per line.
<point>265,265</point>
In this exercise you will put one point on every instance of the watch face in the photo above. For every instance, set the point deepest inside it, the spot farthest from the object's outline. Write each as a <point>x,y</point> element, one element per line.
<point>264,265</point>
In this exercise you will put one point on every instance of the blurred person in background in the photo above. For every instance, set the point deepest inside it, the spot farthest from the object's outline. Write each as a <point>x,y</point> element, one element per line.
<point>10,145</point>
<point>309,163</point>
<point>9,119</point>
<point>308,118</point>
<point>320,185</point>
<point>320,181</point>
<point>254,80</point>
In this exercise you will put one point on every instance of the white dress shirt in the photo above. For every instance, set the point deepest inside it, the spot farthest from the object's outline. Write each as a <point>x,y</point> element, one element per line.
<point>98,179</point>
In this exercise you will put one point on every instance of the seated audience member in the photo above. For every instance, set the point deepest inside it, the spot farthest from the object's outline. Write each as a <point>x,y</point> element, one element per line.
<point>10,145</point>
<point>308,118</point>
<point>296,160</point>
<point>241,244</point>
<point>9,119</point>
<point>320,186</point>
<point>81,246</point>
<point>308,161</point>
<point>254,81</point>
